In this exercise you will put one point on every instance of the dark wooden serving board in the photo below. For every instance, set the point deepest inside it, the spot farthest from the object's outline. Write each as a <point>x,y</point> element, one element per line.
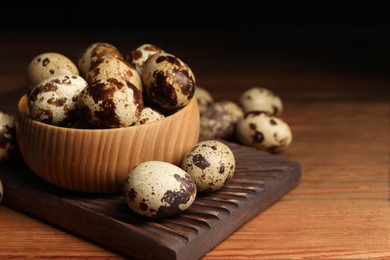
<point>260,180</point>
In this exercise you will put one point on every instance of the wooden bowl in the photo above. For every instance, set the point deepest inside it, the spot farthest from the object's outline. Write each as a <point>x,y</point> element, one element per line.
<point>99,160</point>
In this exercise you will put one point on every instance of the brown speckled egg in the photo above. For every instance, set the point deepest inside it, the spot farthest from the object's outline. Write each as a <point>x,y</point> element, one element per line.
<point>219,120</point>
<point>169,83</point>
<point>94,54</point>
<point>46,65</point>
<point>261,99</point>
<point>1,191</point>
<point>204,99</point>
<point>264,132</point>
<point>138,56</point>
<point>149,115</point>
<point>159,189</point>
<point>111,103</point>
<point>114,68</point>
<point>54,100</point>
<point>7,136</point>
<point>210,164</point>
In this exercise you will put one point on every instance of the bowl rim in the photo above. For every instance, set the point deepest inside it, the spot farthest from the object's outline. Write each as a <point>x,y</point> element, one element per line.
<point>23,111</point>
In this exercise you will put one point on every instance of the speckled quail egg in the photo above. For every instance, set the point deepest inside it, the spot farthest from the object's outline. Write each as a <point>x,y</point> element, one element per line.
<point>138,56</point>
<point>94,54</point>
<point>159,189</point>
<point>149,115</point>
<point>168,82</point>
<point>54,100</point>
<point>46,65</point>
<point>264,132</point>
<point>210,164</point>
<point>261,99</point>
<point>219,120</point>
<point>204,99</point>
<point>111,103</point>
<point>7,136</point>
<point>114,68</point>
<point>1,191</point>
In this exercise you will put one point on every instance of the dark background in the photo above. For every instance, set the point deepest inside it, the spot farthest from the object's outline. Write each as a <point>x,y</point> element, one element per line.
<point>171,16</point>
<point>340,36</point>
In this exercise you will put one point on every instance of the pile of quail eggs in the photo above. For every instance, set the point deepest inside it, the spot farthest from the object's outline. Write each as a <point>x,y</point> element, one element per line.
<point>107,89</point>
<point>252,121</point>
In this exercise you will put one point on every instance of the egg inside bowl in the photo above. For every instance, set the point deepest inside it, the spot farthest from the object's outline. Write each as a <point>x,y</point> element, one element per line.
<point>99,160</point>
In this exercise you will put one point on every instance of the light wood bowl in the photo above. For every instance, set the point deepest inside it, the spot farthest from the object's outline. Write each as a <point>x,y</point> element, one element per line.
<point>99,160</point>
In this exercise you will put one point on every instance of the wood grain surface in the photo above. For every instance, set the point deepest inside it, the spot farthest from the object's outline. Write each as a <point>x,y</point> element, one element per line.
<point>259,181</point>
<point>334,84</point>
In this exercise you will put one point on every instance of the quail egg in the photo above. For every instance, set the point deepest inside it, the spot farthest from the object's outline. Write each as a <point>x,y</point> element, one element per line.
<point>138,56</point>
<point>54,100</point>
<point>204,99</point>
<point>210,164</point>
<point>168,82</point>
<point>219,120</point>
<point>264,132</point>
<point>261,99</point>
<point>159,189</point>
<point>94,54</point>
<point>46,65</point>
<point>114,68</point>
<point>149,115</point>
<point>111,103</point>
<point>7,136</point>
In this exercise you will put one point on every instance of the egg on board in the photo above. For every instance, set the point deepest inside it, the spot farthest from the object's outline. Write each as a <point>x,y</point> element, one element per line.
<point>46,65</point>
<point>7,136</point>
<point>219,120</point>
<point>115,68</point>
<point>264,132</point>
<point>149,115</point>
<point>139,56</point>
<point>158,189</point>
<point>94,54</point>
<point>211,164</point>
<point>168,82</point>
<point>111,103</point>
<point>1,191</point>
<point>54,100</point>
<point>204,98</point>
<point>261,99</point>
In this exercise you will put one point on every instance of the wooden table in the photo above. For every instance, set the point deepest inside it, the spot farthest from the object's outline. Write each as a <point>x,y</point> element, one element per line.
<point>336,96</point>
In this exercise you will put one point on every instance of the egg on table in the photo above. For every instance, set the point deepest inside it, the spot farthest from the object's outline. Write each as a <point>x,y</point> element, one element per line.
<point>168,82</point>
<point>7,136</point>
<point>158,189</point>
<point>261,99</point>
<point>210,164</point>
<point>264,132</point>
<point>94,54</point>
<point>54,100</point>
<point>219,120</point>
<point>114,68</point>
<point>46,65</point>
<point>204,99</point>
<point>139,56</point>
<point>111,103</point>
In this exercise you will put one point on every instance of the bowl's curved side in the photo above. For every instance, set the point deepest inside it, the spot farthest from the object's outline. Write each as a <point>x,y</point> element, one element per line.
<point>91,160</point>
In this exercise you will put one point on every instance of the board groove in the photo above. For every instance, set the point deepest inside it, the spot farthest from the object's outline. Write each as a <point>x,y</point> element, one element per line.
<point>260,180</point>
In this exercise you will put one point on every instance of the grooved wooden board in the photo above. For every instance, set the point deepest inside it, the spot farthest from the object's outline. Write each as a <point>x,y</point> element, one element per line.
<point>259,181</point>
